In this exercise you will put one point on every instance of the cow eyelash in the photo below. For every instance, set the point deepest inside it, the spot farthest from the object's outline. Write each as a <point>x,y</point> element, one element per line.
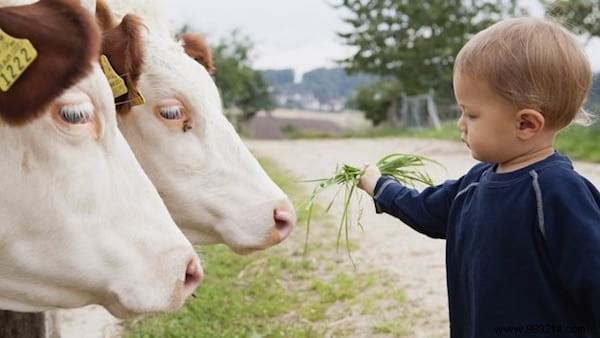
<point>77,114</point>
<point>171,113</point>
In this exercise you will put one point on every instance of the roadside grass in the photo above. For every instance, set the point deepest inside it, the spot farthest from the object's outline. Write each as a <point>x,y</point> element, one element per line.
<point>283,293</point>
<point>448,131</point>
<point>578,142</point>
<point>581,143</point>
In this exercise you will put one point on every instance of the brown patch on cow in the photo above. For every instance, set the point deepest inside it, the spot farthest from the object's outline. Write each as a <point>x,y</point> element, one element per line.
<point>104,16</point>
<point>124,48</point>
<point>67,41</point>
<point>196,47</point>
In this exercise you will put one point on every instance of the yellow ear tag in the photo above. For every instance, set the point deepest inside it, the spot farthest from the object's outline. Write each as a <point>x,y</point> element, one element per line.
<point>138,99</point>
<point>117,84</point>
<point>15,56</point>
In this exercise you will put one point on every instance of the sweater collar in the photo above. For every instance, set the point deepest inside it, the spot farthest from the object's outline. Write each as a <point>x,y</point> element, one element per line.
<point>555,159</point>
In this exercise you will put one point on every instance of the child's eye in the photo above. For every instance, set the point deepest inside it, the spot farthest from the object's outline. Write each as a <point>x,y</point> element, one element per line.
<point>466,115</point>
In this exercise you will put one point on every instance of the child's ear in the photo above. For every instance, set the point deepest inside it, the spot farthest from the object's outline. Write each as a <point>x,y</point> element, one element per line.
<point>530,122</point>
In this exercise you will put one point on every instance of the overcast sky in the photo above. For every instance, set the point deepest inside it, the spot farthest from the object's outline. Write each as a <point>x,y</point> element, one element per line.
<point>297,34</point>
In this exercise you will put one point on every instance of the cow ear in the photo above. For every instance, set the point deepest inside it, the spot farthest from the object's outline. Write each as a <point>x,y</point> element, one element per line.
<point>67,44</point>
<point>105,16</point>
<point>123,47</point>
<point>197,48</point>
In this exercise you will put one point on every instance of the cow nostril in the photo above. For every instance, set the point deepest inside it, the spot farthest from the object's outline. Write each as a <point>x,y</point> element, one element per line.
<point>284,222</point>
<point>193,276</point>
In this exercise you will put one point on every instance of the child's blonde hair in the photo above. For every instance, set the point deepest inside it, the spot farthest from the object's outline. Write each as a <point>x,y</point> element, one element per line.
<point>534,63</point>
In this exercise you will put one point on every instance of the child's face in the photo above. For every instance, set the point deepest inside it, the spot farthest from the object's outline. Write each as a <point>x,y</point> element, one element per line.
<point>488,122</point>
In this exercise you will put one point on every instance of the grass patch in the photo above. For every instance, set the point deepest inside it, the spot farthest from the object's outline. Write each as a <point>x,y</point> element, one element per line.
<point>396,328</point>
<point>247,280</point>
<point>292,132</point>
<point>448,131</point>
<point>578,142</point>
<point>276,293</point>
<point>582,143</point>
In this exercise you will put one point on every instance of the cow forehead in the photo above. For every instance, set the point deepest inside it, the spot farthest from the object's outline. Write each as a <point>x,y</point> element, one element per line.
<point>169,68</point>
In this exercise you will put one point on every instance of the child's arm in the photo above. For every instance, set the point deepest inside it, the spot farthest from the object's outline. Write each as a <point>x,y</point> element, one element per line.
<point>570,226</point>
<point>426,212</point>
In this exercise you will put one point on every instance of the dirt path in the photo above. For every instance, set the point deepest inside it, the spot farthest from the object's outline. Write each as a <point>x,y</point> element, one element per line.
<point>386,244</point>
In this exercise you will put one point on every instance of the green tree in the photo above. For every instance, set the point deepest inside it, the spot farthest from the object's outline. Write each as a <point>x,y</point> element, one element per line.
<point>581,16</point>
<point>242,87</point>
<point>279,77</point>
<point>332,83</point>
<point>375,100</point>
<point>413,44</point>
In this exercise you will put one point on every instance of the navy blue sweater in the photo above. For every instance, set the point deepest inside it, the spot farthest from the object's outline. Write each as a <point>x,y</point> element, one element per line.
<point>522,248</point>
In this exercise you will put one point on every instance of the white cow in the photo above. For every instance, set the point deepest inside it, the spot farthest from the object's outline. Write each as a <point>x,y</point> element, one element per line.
<point>212,185</point>
<point>80,222</point>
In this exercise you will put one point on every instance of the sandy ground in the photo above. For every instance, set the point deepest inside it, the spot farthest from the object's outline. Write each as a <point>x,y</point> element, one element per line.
<point>386,244</point>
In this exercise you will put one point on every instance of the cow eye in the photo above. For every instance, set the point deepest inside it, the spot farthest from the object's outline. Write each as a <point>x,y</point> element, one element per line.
<point>171,113</point>
<point>77,114</point>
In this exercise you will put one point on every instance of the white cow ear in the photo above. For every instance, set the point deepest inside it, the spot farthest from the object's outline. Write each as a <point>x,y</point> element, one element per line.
<point>196,47</point>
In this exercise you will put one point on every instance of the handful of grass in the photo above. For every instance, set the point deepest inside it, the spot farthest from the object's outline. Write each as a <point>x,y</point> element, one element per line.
<point>402,167</point>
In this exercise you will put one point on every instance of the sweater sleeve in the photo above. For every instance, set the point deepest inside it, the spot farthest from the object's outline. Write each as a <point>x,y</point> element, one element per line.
<point>571,227</point>
<point>426,212</point>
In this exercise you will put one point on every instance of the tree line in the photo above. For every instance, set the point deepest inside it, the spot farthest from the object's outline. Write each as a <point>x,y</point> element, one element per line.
<point>401,47</point>
<point>412,46</point>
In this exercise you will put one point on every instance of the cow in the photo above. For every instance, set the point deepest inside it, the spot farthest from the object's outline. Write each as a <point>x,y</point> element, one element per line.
<point>212,185</point>
<point>80,222</point>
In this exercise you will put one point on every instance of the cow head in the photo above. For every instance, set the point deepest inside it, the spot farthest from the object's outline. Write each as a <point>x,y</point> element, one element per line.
<point>212,185</point>
<point>80,222</point>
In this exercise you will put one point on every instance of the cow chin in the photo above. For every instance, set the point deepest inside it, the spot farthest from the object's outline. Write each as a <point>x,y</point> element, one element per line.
<point>252,230</point>
<point>130,303</point>
<point>238,242</point>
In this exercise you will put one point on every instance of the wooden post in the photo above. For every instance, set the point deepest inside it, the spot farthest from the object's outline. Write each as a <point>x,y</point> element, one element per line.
<point>22,325</point>
<point>432,109</point>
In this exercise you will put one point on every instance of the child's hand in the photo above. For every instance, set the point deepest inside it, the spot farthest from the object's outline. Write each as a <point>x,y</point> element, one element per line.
<point>369,178</point>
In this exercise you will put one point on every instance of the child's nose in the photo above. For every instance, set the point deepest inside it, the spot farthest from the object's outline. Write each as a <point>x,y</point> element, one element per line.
<point>460,124</point>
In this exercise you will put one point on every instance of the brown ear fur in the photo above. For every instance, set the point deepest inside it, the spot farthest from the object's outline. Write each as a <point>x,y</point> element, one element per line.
<point>67,41</point>
<point>196,47</point>
<point>104,16</point>
<point>123,47</point>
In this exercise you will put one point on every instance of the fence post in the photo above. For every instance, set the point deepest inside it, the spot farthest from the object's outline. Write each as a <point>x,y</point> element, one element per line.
<point>22,325</point>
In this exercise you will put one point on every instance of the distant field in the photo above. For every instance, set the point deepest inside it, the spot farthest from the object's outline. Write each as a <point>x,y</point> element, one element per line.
<point>283,123</point>
<point>578,142</point>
